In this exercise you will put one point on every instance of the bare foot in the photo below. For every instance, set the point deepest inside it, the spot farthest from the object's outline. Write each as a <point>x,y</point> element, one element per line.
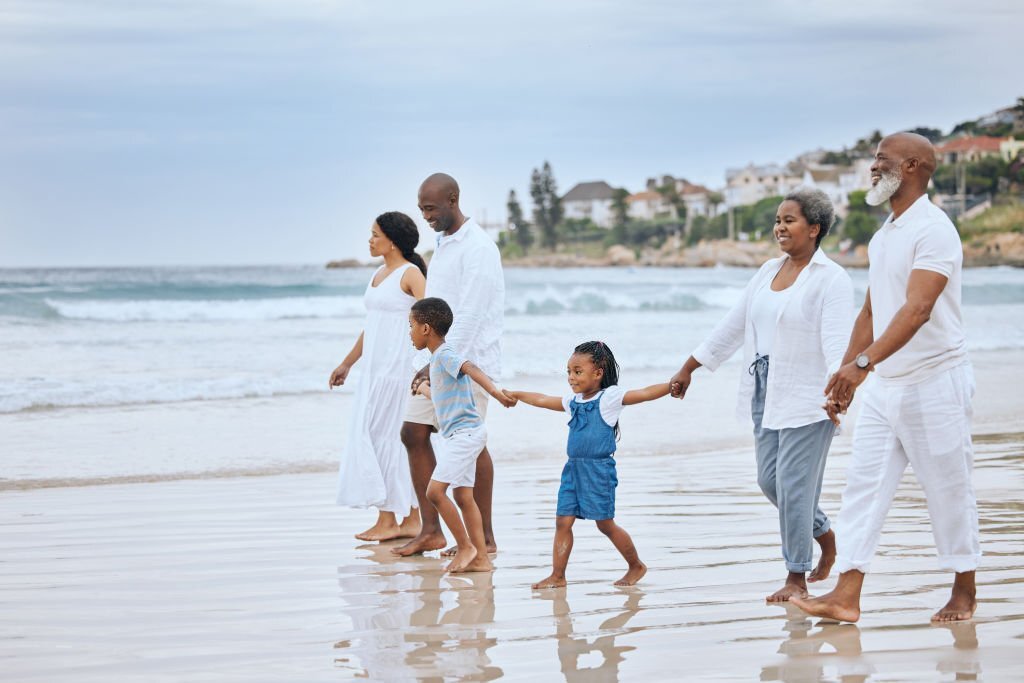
<point>828,606</point>
<point>794,588</point>
<point>379,532</point>
<point>550,582</point>
<point>462,559</point>
<point>827,542</point>
<point>410,527</point>
<point>961,607</point>
<point>492,549</point>
<point>634,574</point>
<point>480,564</point>
<point>420,544</point>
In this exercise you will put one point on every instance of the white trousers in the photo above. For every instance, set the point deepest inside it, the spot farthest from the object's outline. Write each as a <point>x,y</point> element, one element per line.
<point>928,425</point>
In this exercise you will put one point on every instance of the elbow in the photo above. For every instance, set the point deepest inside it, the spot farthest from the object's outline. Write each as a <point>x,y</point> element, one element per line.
<point>920,312</point>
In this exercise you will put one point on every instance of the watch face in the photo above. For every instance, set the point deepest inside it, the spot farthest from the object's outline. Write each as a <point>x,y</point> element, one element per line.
<point>863,361</point>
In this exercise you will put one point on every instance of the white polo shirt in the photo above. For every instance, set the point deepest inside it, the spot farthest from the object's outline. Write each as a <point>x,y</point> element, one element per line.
<point>923,238</point>
<point>465,271</point>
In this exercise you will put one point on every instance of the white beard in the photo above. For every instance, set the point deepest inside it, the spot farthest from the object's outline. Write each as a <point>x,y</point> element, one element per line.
<point>885,188</point>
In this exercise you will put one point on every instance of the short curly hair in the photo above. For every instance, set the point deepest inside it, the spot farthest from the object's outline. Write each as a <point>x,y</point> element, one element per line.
<point>434,312</point>
<point>816,207</point>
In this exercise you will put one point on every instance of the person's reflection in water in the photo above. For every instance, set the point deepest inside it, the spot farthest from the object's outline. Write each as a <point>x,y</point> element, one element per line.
<point>573,645</point>
<point>401,630</point>
<point>963,660</point>
<point>454,644</point>
<point>805,660</point>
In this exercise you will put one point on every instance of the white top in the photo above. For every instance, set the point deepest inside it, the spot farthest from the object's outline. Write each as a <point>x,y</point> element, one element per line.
<point>811,335</point>
<point>466,272</point>
<point>764,314</point>
<point>611,403</point>
<point>923,238</point>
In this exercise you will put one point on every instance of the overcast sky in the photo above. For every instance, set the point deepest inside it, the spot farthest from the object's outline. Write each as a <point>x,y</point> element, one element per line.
<point>274,131</point>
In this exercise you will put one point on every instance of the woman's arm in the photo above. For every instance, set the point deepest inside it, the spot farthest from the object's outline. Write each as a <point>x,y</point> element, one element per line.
<point>650,393</point>
<point>413,283</point>
<point>340,373</point>
<point>481,378</point>
<point>537,400</point>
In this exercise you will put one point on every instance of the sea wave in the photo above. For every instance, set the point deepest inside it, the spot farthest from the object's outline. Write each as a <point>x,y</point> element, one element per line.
<point>199,310</point>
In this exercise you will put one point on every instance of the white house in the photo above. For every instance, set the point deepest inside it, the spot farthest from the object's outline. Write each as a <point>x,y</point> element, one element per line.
<point>752,183</point>
<point>591,200</point>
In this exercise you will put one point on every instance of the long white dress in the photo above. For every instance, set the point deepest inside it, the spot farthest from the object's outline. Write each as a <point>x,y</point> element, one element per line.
<point>374,465</point>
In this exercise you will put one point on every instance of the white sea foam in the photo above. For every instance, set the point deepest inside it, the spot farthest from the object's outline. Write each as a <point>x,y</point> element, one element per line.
<point>208,310</point>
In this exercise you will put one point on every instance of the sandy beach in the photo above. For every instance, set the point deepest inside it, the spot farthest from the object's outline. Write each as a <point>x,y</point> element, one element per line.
<point>257,578</point>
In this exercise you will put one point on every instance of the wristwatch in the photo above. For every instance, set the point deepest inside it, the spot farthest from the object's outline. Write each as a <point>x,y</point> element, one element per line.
<point>862,361</point>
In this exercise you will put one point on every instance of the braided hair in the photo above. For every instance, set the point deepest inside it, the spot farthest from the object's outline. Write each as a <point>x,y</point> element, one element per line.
<point>601,356</point>
<point>401,230</point>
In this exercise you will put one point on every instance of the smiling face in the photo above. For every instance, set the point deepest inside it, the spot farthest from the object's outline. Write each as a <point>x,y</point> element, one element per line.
<point>584,376</point>
<point>886,173</point>
<point>419,332</point>
<point>793,233</point>
<point>438,206</point>
<point>379,242</point>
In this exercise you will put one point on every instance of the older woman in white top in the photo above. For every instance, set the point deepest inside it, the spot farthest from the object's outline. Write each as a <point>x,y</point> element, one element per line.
<point>797,311</point>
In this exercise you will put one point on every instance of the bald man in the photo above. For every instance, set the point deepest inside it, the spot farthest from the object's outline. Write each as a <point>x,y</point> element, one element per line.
<point>466,272</point>
<point>918,410</point>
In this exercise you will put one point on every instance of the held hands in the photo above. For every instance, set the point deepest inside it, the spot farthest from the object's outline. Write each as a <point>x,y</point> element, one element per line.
<point>844,383</point>
<point>679,383</point>
<point>422,388</point>
<point>422,376</point>
<point>505,397</point>
<point>339,376</point>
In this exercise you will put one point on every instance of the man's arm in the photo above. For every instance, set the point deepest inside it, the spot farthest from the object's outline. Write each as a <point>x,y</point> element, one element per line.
<point>481,378</point>
<point>923,290</point>
<point>537,400</point>
<point>655,391</point>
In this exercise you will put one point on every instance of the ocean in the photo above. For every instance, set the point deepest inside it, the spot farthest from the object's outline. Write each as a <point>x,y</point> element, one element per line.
<point>203,340</point>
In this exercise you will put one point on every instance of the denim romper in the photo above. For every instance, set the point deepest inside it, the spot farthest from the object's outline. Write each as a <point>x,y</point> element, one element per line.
<point>588,478</point>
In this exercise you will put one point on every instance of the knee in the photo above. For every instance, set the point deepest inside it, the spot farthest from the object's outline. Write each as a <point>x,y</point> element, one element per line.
<point>606,526</point>
<point>435,494</point>
<point>413,435</point>
<point>564,523</point>
<point>766,480</point>
<point>463,495</point>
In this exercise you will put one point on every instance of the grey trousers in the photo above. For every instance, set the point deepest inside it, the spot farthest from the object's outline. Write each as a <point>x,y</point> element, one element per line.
<point>790,467</point>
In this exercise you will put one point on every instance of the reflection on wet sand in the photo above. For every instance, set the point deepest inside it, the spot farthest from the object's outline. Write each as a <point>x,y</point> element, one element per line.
<point>405,625</point>
<point>699,614</point>
<point>574,647</point>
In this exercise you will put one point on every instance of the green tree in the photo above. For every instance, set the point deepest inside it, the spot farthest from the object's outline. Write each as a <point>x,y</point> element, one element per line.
<point>862,220</point>
<point>672,196</point>
<point>518,225</point>
<point>547,205</point>
<point>933,134</point>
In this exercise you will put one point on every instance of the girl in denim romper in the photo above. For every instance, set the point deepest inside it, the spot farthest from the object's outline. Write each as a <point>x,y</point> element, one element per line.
<point>588,478</point>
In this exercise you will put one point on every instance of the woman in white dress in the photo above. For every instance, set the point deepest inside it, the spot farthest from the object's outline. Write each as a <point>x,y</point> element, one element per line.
<point>374,466</point>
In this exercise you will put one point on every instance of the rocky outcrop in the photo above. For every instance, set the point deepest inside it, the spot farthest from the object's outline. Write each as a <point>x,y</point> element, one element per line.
<point>996,249</point>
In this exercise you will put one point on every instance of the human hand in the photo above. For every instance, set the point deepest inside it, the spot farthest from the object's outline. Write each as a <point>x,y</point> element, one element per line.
<point>844,383</point>
<point>339,376</point>
<point>423,388</point>
<point>679,383</point>
<point>422,376</point>
<point>504,398</point>
<point>834,409</point>
<point>512,396</point>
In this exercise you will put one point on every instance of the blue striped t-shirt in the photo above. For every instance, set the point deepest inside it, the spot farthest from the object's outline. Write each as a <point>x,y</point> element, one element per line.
<point>452,392</point>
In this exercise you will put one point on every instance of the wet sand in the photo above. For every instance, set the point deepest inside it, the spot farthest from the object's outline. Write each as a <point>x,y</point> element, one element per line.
<point>258,579</point>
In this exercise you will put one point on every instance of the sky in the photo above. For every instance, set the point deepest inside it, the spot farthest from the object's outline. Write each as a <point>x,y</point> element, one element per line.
<point>179,132</point>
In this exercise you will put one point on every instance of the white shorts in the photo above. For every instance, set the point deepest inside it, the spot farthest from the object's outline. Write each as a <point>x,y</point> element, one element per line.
<point>420,409</point>
<point>457,455</point>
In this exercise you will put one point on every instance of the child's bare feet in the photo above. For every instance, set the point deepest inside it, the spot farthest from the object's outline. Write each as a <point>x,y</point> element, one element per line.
<point>492,549</point>
<point>795,587</point>
<point>463,557</point>
<point>550,582</point>
<point>827,543</point>
<point>635,573</point>
<point>480,564</point>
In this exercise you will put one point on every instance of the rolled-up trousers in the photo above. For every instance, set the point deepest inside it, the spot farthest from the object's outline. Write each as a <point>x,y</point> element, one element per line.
<point>927,425</point>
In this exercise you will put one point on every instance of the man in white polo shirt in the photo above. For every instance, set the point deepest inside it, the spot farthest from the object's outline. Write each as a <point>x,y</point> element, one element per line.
<point>466,272</point>
<point>918,411</point>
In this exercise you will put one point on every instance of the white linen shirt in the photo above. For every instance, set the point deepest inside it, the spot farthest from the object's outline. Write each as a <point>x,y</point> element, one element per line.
<point>922,238</point>
<point>466,272</point>
<point>812,333</point>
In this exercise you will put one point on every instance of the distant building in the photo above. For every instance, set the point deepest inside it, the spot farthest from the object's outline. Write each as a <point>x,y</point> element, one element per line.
<point>1010,149</point>
<point>839,181</point>
<point>697,198</point>
<point>591,200</point>
<point>648,205</point>
<point>969,149</point>
<point>751,183</point>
